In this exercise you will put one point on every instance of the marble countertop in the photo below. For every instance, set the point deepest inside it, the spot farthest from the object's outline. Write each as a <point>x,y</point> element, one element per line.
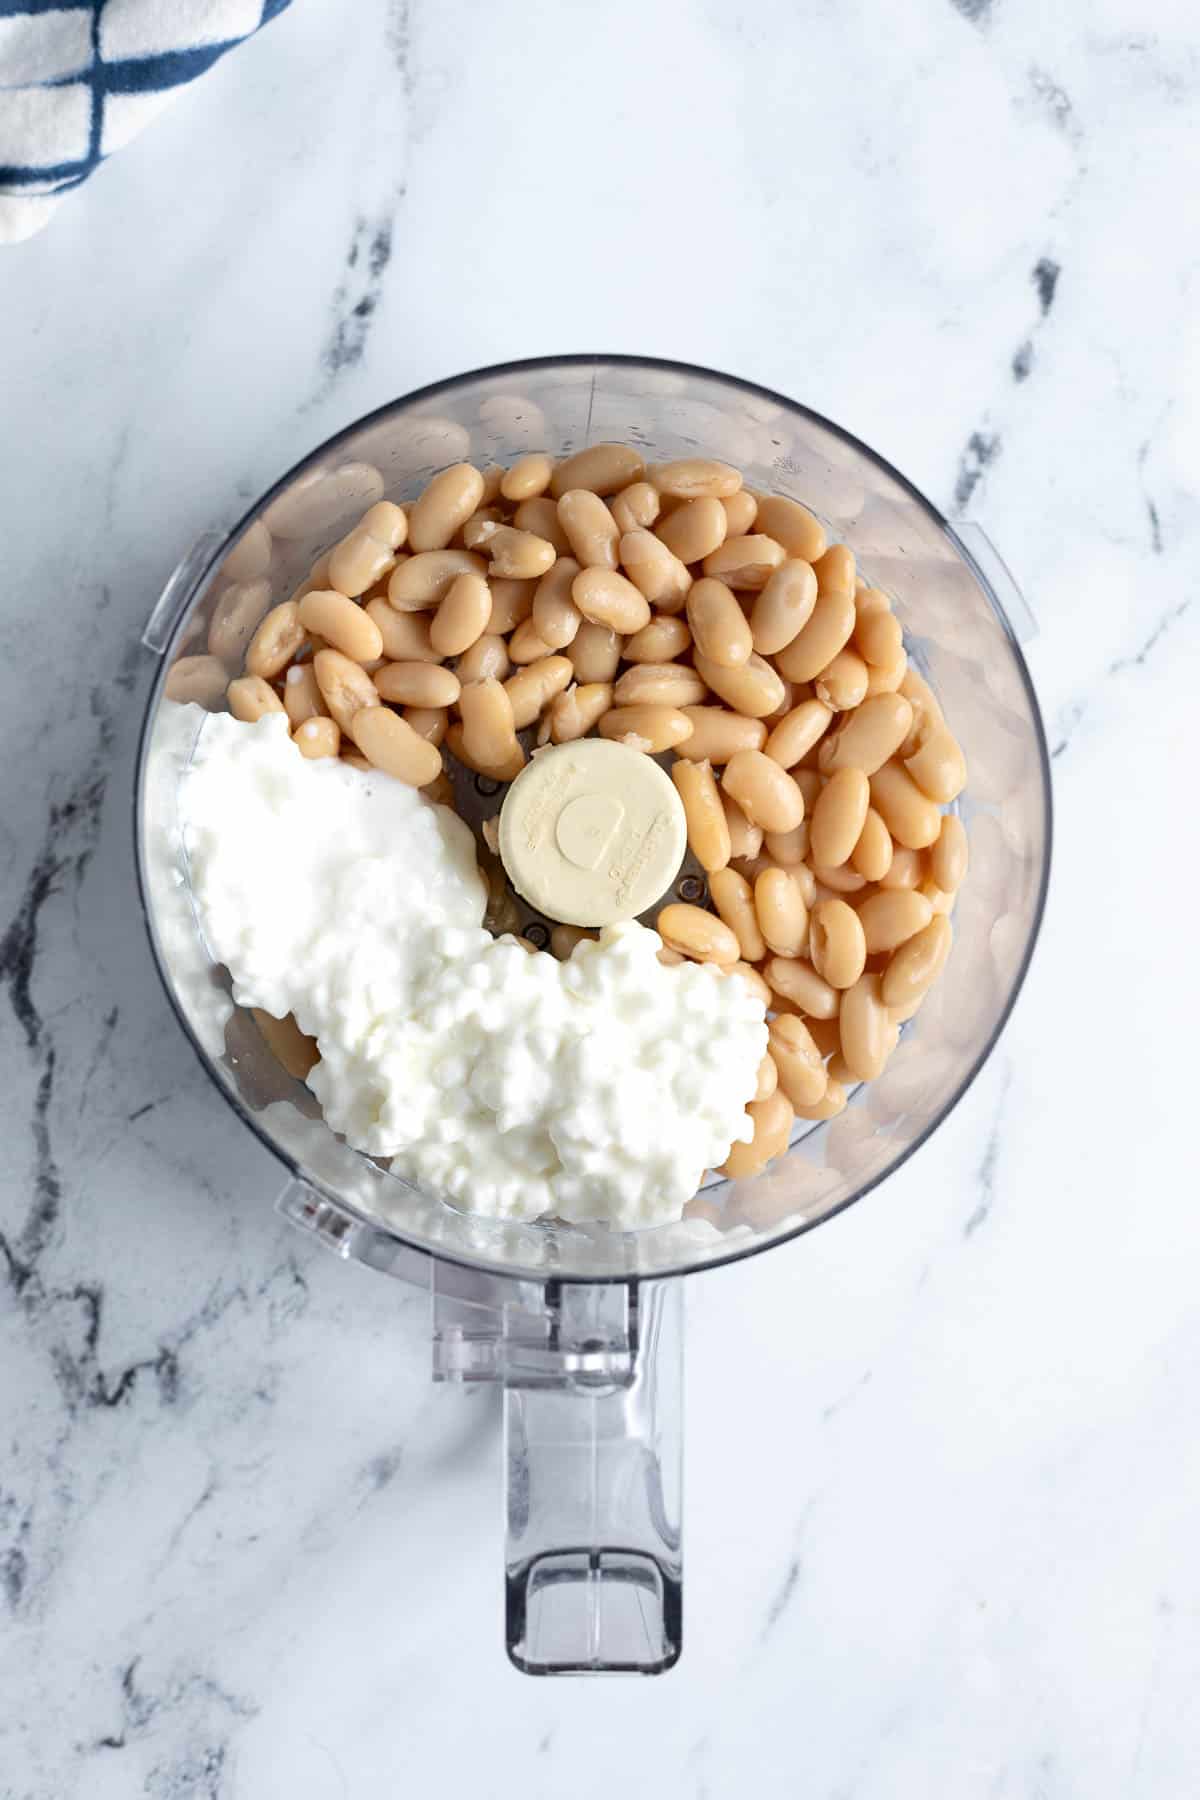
<point>943,1467</point>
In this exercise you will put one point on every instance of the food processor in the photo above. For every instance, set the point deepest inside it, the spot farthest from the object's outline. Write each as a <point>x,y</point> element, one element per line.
<point>582,1325</point>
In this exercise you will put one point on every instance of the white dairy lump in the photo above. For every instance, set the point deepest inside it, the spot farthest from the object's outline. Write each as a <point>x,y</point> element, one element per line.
<point>598,1088</point>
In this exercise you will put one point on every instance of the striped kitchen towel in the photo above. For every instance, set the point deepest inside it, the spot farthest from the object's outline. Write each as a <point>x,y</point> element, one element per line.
<point>79,81</point>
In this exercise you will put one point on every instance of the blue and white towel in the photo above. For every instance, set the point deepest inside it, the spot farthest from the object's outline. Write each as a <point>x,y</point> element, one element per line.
<point>77,81</point>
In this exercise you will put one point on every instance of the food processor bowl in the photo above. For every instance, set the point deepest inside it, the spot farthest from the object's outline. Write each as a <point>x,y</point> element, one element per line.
<point>582,1324</point>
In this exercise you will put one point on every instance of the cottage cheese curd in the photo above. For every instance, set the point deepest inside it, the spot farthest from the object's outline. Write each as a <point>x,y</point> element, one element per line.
<point>516,1085</point>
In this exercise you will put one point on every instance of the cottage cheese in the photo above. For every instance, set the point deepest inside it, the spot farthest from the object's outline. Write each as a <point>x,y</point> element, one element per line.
<point>513,1084</point>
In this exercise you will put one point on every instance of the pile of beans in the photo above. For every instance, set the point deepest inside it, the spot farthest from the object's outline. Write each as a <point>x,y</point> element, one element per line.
<point>671,609</point>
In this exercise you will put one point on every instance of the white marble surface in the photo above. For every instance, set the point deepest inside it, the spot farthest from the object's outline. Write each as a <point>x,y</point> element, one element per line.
<point>943,1471</point>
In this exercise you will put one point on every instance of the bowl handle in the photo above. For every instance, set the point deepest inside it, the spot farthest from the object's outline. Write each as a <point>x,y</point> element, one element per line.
<point>593,1440</point>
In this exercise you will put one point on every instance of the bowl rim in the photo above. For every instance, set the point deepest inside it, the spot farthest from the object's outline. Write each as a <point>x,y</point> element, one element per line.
<point>205,566</point>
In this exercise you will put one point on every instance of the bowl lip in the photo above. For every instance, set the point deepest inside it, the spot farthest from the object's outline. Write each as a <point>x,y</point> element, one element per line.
<point>386,1228</point>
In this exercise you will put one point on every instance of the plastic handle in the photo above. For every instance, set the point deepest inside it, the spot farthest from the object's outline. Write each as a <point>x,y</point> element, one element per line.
<point>594,1572</point>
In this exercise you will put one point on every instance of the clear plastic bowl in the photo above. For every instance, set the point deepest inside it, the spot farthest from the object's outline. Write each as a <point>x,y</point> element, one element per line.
<point>944,582</point>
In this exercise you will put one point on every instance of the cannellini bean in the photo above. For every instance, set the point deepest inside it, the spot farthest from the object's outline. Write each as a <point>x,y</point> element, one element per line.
<point>662,640</point>
<point>250,556</point>
<point>346,688</point>
<point>797,1058</point>
<point>695,529</point>
<point>753,688</point>
<point>906,869</point>
<point>841,879</point>
<point>601,469</point>
<point>879,637</point>
<point>528,477</point>
<point>842,685</point>
<point>796,733</point>
<point>512,604</point>
<point>517,555</point>
<point>939,902</point>
<point>891,917</point>
<point>910,815</point>
<point>236,616</point>
<point>718,625</point>
<point>772,1119</point>
<point>696,478</point>
<point>595,652</point>
<point>654,571</point>
<point>717,734</point>
<point>948,856</point>
<point>782,914</point>
<point>606,598</point>
<point>390,744</point>
<point>836,943</point>
<point>707,830</point>
<point>532,689</point>
<point>578,709</point>
<point>926,710</point>
<point>745,562</point>
<point>783,607</point>
<point>636,507</point>
<point>444,507</point>
<point>417,684</point>
<point>872,855</point>
<point>462,616</point>
<point>835,571</point>
<point>838,818</point>
<point>276,641</point>
<point>342,624</point>
<point>810,784</point>
<point>745,839</point>
<point>493,475</point>
<point>788,848</point>
<point>866,1029</point>
<point>740,511</point>
<point>660,684</point>
<point>525,645</point>
<point>868,736</point>
<point>429,722</point>
<point>556,618</point>
<point>749,867</point>
<point>406,637</point>
<point>424,580</point>
<point>791,525</point>
<point>479,528</point>
<point>832,1102</point>
<point>887,679</point>
<point>489,733</point>
<point>696,933</point>
<point>487,657</point>
<point>301,695</point>
<point>590,527</point>
<point>766,793</point>
<point>767,1079</point>
<point>733,898</point>
<point>368,552</point>
<point>916,965</point>
<point>541,517</point>
<point>936,763</point>
<point>651,729</point>
<point>317,737</point>
<point>250,697</point>
<point>796,980</point>
<point>817,643</point>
